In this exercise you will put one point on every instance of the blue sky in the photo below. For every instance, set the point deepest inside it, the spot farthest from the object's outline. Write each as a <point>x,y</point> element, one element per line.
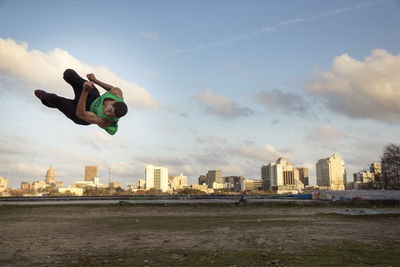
<point>228,85</point>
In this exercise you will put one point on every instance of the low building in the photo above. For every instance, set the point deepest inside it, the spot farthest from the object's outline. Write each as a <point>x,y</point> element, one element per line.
<point>72,190</point>
<point>37,185</point>
<point>285,189</point>
<point>251,185</point>
<point>84,184</point>
<point>234,182</point>
<point>362,180</point>
<point>176,183</point>
<point>203,187</point>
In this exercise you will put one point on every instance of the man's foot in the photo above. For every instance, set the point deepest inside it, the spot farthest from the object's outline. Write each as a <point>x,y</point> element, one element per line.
<point>39,93</point>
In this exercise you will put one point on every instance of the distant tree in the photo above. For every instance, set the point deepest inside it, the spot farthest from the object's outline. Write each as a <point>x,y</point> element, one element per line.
<point>390,177</point>
<point>221,191</point>
<point>190,191</point>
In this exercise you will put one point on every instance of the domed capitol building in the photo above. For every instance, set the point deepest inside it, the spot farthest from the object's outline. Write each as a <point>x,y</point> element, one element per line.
<point>51,179</point>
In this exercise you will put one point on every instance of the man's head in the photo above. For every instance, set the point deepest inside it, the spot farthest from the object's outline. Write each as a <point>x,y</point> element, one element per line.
<point>120,109</point>
<point>115,110</point>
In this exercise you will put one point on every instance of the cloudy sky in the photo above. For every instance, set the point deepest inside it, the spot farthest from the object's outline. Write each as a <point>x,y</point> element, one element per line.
<point>228,85</point>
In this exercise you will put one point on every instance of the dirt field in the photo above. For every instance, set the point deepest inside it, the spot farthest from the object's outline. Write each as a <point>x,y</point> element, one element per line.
<point>187,235</point>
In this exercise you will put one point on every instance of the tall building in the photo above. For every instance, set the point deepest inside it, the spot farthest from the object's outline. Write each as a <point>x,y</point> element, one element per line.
<point>3,184</point>
<point>303,175</point>
<point>375,168</point>
<point>202,179</point>
<point>90,173</point>
<point>331,173</point>
<point>50,176</point>
<point>281,174</point>
<point>157,178</point>
<point>214,176</point>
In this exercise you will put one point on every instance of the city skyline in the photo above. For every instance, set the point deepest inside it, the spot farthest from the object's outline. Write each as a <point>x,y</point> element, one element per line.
<point>211,175</point>
<point>223,85</point>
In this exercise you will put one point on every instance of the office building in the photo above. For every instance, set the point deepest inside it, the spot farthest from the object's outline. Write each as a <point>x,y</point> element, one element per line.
<point>234,182</point>
<point>156,178</point>
<point>251,185</point>
<point>375,168</point>
<point>303,175</point>
<point>90,172</point>
<point>214,178</point>
<point>202,179</point>
<point>331,173</point>
<point>362,180</point>
<point>281,176</point>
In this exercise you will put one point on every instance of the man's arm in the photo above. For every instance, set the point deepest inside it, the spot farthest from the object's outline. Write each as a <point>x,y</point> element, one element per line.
<point>81,111</point>
<point>113,90</point>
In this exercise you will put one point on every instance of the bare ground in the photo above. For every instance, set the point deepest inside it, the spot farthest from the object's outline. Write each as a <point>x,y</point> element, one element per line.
<point>47,235</point>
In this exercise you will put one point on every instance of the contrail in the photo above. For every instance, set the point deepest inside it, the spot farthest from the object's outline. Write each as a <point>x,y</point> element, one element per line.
<point>244,36</point>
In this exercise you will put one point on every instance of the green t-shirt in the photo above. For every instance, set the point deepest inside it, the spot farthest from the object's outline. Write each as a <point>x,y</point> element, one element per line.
<point>97,108</point>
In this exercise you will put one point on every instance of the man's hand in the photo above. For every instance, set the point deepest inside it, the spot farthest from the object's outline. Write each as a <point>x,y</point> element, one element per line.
<point>91,77</point>
<point>87,86</point>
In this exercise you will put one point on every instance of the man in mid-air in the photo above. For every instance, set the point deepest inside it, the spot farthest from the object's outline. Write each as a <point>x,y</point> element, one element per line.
<point>88,106</point>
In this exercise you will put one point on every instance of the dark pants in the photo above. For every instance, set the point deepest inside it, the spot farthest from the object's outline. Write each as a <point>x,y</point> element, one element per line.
<point>69,106</point>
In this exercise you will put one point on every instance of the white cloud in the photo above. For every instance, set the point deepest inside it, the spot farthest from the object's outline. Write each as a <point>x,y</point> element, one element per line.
<point>24,70</point>
<point>220,105</point>
<point>361,89</point>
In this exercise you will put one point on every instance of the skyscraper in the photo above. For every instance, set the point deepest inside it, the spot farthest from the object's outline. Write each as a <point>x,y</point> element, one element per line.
<point>157,178</point>
<point>214,176</point>
<point>90,173</point>
<point>331,173</point>
<point>375,168</point>
<point>303,175</point>
<point>281,173</point>
<point>202,179</point>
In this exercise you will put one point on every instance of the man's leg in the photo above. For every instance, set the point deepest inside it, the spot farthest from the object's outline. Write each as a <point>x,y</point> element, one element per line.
<point>66,106</point>
<point>76,81</point>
